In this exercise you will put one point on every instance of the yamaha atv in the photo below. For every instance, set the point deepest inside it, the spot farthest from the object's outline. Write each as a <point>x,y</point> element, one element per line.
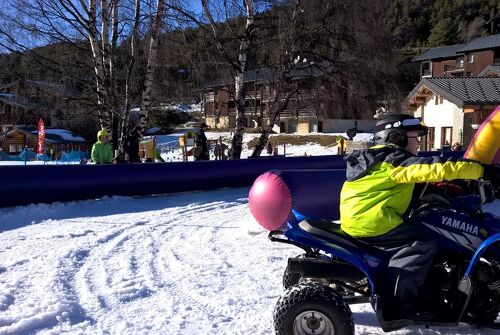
<point>337,270</point>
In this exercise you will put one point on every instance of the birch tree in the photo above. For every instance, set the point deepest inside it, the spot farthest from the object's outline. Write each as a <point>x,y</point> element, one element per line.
<point>238,66</point>
<point>104,24</point>
<point>152,62</point>
<point>283,89</point>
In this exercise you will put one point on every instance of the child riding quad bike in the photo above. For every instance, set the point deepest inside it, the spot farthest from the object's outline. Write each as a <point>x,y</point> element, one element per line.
<point>337,270</point>
<point>451,270</point>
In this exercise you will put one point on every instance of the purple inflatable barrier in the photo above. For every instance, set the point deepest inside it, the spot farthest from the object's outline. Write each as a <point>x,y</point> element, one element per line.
<point>21,185</point>
<point>315,193</point>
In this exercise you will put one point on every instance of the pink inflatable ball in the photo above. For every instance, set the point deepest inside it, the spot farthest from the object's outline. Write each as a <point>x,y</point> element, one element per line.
<point>270,201</point>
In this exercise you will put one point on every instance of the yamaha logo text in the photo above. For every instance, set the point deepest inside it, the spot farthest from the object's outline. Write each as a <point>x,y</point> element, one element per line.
<point>457,224</point>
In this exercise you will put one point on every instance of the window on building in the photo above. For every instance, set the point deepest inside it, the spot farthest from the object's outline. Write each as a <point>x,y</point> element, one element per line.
<point>429,139</point>
<point>496,56</point>
<point>282,127</point>
<point>460,62</point>
<point>446,136</point>
<point>470,58</point>
<point>426,69</point>
<point>438,100</point>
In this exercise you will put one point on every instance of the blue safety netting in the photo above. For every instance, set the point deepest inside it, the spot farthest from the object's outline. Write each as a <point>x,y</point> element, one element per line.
<point>74,156</point>
<point>25,155</point>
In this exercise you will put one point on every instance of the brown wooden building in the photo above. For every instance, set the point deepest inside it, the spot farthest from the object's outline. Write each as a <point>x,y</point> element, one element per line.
<point>25,101</point>
<point>312,107</point>
<point>460,60</point>
<point>56,140</point>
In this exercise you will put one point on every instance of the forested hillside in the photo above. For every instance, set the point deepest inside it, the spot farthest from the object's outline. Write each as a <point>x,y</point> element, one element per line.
<point>375,38</point>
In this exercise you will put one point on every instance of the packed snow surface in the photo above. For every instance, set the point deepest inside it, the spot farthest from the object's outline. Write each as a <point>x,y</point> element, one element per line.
<point>192,263</point>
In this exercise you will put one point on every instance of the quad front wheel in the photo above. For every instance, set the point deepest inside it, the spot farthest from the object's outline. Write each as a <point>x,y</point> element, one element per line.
<point>312,308</point>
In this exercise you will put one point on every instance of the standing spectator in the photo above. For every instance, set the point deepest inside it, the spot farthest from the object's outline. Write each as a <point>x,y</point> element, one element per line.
<point>200,151</point>
<point>102,150</point>
<point>446,146</point>
<point>131,146</point>
<point>456,146</point>
<point>269,148</point>
<point>341,145</point>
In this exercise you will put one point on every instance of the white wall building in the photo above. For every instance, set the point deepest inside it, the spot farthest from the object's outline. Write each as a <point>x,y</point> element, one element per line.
<point>453,107</point>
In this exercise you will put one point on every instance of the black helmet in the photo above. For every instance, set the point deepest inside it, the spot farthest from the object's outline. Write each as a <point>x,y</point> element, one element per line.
<point>394,128</point>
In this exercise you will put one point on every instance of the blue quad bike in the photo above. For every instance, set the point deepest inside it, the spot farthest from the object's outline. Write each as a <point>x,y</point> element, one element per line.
<point>337,270</point>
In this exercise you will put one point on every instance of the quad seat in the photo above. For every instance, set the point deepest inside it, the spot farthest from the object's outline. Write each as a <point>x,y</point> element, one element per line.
<point>331,231</point>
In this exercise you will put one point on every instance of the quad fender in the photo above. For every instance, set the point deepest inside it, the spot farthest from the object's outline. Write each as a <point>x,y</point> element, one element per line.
<point>296,234</point>
<point>480,251</point>
<point>465,286</point>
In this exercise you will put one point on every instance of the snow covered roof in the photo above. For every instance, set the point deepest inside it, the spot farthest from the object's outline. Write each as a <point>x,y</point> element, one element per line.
<point>17,101</point>
<point>53,135</point>
<point>59,89</point>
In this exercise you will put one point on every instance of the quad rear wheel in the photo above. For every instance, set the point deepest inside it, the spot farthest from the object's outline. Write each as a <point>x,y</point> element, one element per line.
<point>312,308</point>
<point>290,279</point>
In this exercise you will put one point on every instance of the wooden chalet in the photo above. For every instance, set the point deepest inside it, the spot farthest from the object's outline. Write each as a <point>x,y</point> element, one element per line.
<point>56,141</point>
<point>310,107</point>
<point>25,101</point>
<point>453,107</point>
<point>460,60</point>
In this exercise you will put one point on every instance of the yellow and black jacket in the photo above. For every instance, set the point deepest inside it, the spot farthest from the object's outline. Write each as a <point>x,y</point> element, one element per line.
<point>380,184</point>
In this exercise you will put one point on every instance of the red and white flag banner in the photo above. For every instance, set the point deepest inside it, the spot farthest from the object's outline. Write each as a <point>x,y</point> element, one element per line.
<point>41,136</point>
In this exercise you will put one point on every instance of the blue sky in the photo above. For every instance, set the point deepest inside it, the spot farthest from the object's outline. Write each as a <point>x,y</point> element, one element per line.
<point>195,5</point>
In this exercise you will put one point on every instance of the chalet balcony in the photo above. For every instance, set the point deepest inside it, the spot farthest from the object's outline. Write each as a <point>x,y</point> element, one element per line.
<point>426,73</point>
<point>453,68</point>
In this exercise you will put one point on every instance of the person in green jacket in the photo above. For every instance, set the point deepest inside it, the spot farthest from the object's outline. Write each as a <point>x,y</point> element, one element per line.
<point>102,150</point>
<point>377,195</point>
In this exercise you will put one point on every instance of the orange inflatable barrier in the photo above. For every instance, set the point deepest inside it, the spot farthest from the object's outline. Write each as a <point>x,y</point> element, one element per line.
<point>485,146</point>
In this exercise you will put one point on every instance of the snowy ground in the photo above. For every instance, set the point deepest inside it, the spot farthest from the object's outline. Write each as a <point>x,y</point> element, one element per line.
<point>191,263</point>
<point>169,145</point>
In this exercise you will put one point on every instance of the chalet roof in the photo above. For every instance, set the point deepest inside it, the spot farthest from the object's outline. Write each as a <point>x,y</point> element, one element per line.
<point>440,52</point>
<point>55,88</point>
<point>269,75</point>
<point>53,135</point>
<point>449,51</point>
<point>486,42</point>
<point>17,101</point>
<point>459,90</point>
<point>490,70</point>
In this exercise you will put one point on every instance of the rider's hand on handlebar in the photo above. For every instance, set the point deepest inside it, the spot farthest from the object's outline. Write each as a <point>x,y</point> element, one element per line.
<point>492,173</point>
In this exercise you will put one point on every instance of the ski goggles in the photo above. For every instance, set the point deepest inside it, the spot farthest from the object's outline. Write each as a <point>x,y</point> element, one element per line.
<point>406,123</point>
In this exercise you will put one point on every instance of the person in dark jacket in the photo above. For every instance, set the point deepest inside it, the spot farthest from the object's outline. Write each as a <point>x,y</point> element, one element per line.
<point>200,141</point>
<point>377,195</point>
<point>131,146</point>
